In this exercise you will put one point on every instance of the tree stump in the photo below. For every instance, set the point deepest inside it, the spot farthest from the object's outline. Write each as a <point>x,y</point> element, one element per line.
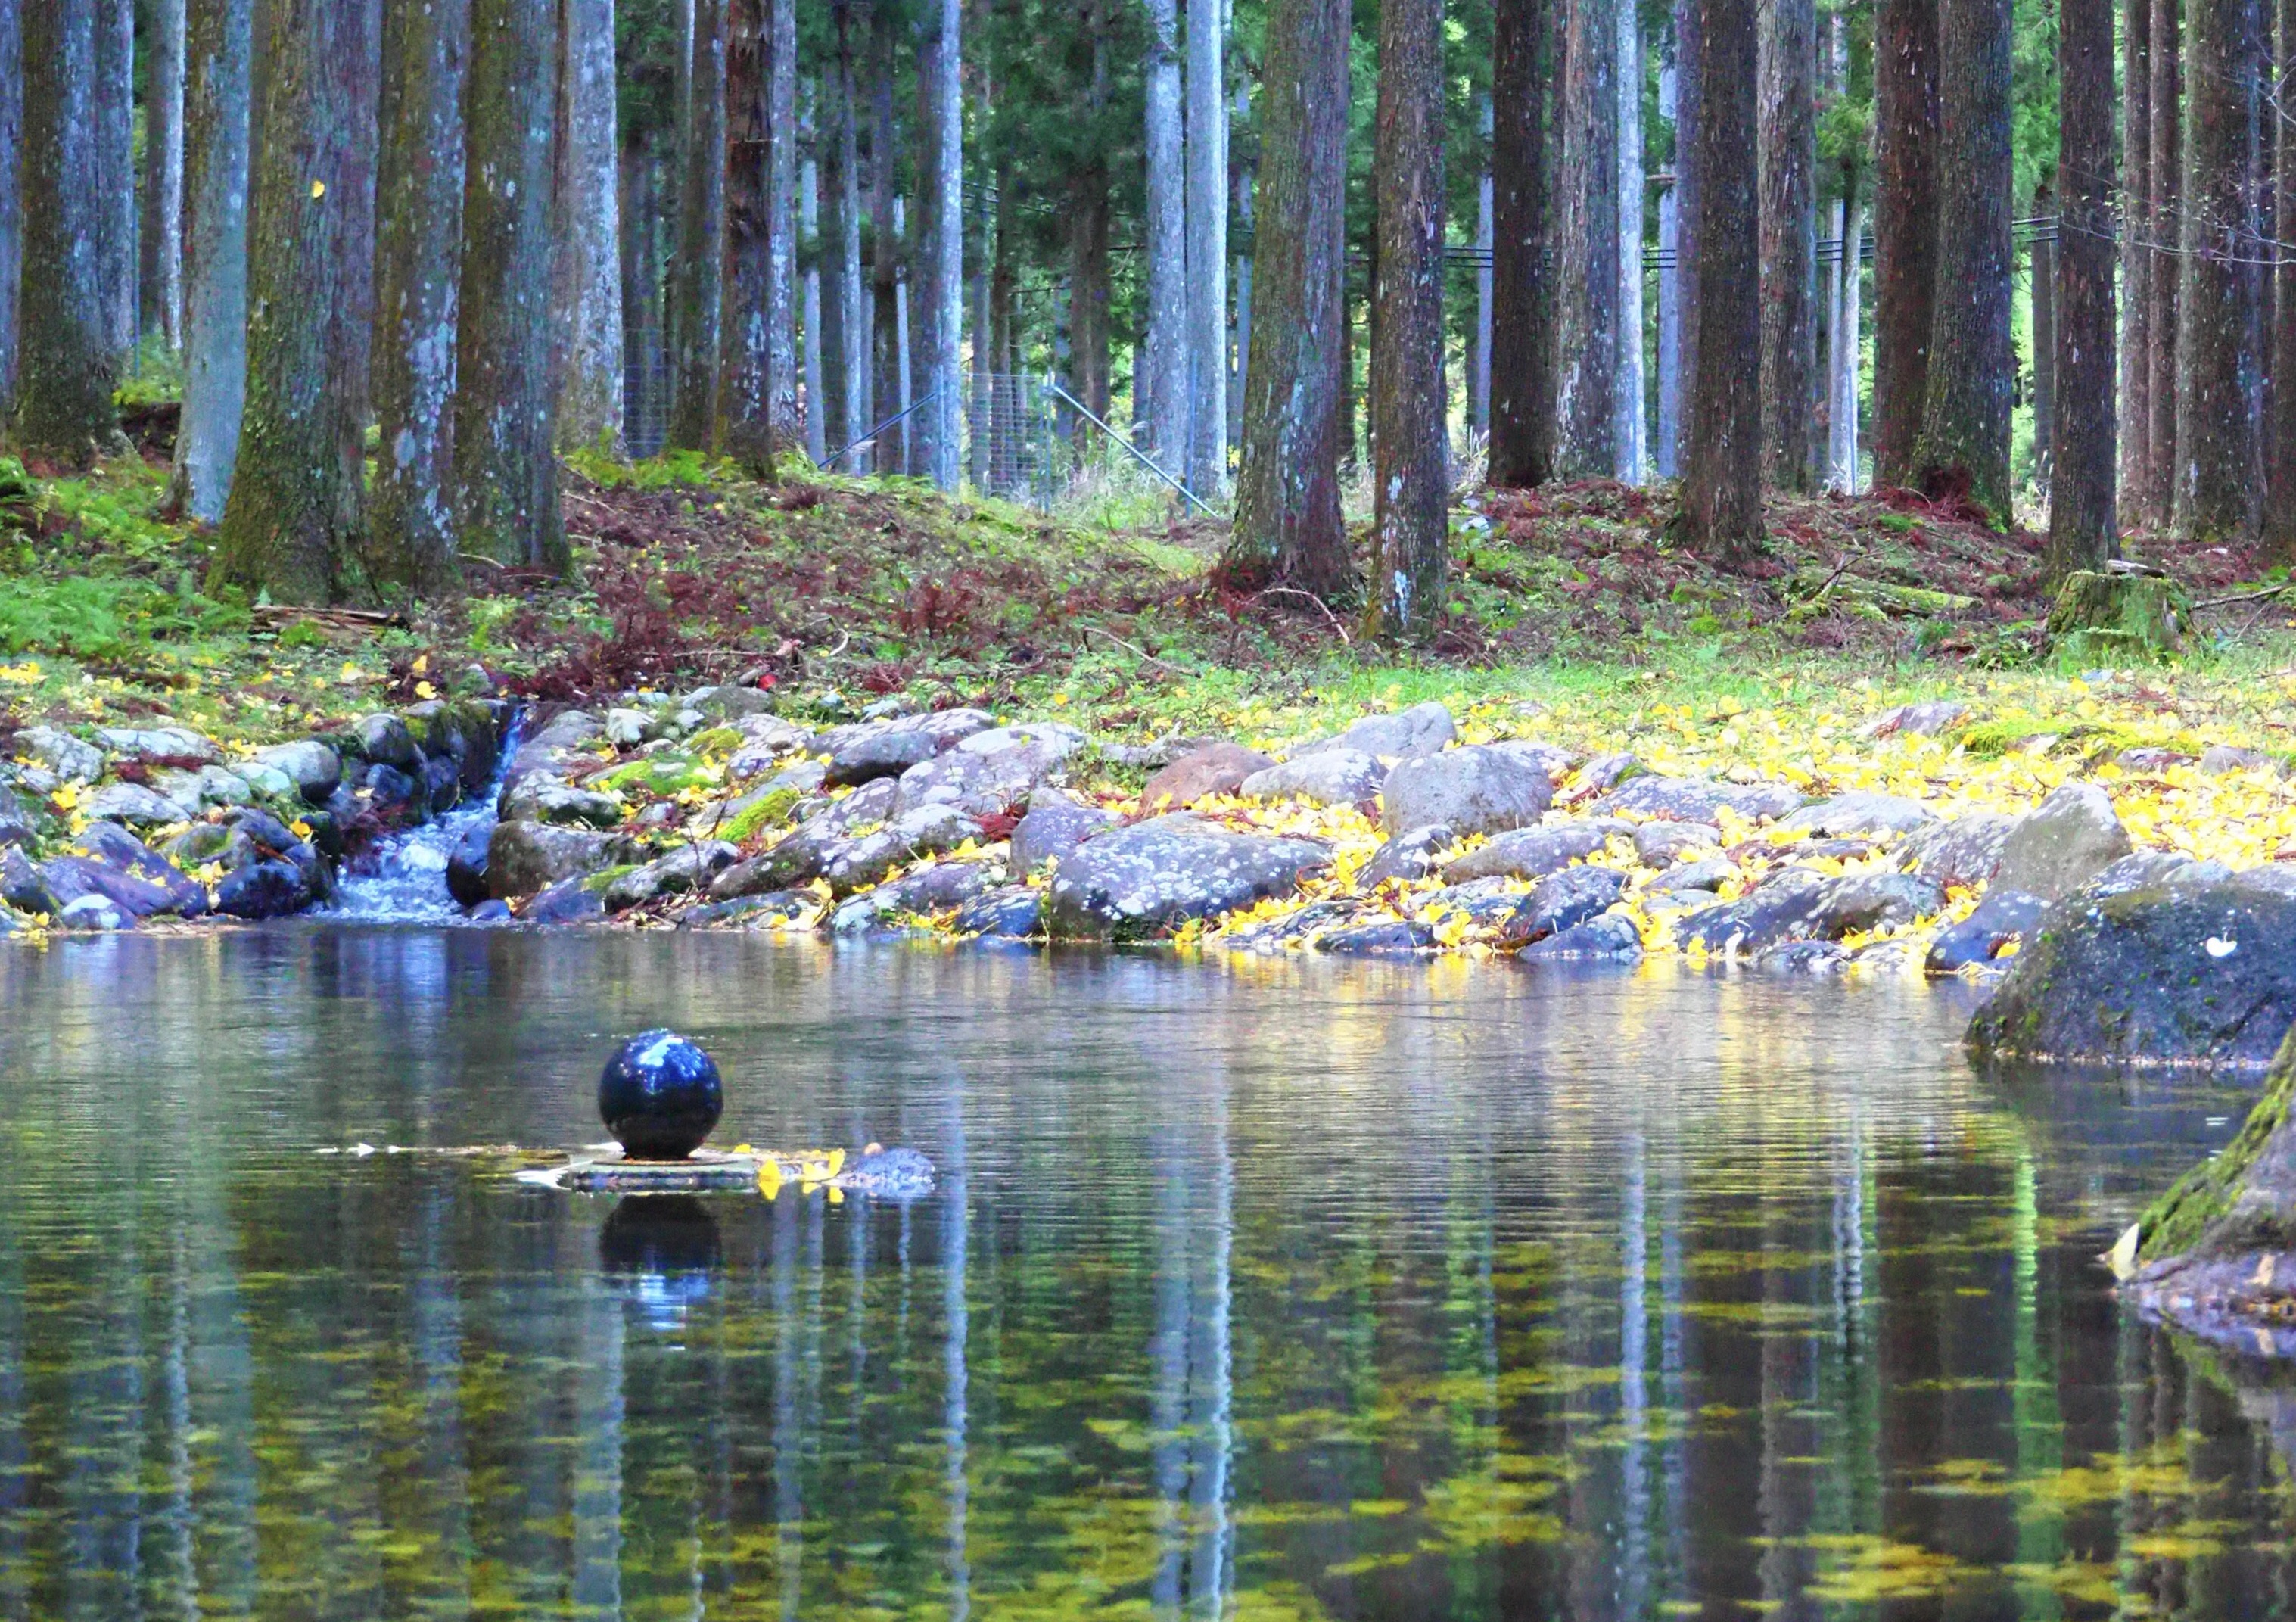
<point>2133,618</point>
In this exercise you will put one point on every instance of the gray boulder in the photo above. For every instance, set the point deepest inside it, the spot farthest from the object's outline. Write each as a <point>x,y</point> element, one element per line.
<point>1562,901</point>
<point>729,702</point>
<point>1217,768</point>
<point>2201,975</point>
<point>195,791</point>
<point>866,751</point>
<point>1964,853</point>
<point>1923,720</point>
<point>387,741</point>
<point>990,772</point>
<point>2001,918</point>
<point>1151,877</point>
<point>543,798</point>
<point>1011,911</point>
<point>568,901</point>
<point>1658,844</point>
<point>2219,758</point>
<point>160,745</point>
<point>1404,735</point>
<point>134,806</point>
<point>68,758</point>
<point>1799,904</point>
<point>523,859</point>
<point>864,859</point>
<point>21,887</point>
<point>1862,811</point>
<point>1482,900</point>
<point>466,865</point>
<point>312,766</point>
<point>95,913</point>
<point>562,748</point>
<point>1054,828</point>
<point>1329,776</point>
<point>1609,938</point>
<point>107,860</point>
<point>1551,759</point>
<point>798,857</point>
<point>1710,872</point>
<point>1532,853</point>
<point>16,826</point>
<point>1605,773</point>
<point>2061,844</point>
<point>1475,790</point>
<point>1698,799</point>
<point>686,869</point>
<point>1408,855</point>
<point>934,888</point>
<point>1376,937</point>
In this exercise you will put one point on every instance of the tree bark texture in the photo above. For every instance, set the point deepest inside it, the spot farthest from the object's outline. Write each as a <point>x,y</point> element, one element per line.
<point>161,273</point>
<point>1165,245</point>
<point>2218,385</point>
<point>2041,287</point>
<point>1788,160</point>
<point>698,272</point>
<point>2082,496</point>
<point>113,111</point>
<point>1239,179</point>
<point>1478,349</point>
<point>506,403</point>
<point>1631,433</point>
<point>64,359</point>
<point>2279,526</point>
<point>1207,286</point>
<point>1964,447</point>
<point>1842,416</point>
<point>1722,462</point>
<point>1288,529</point>
<point>938,313</point>
<point>1089,295</point>
<point>589,323</point>
<point>745,392</point>
<point>2135,406</point>
<point>781,218</point>
<point>1410,448</point>
<point>815,414</point>
<point>11,210</point>
<point>219,86</point>
<point>1905,115</point>
<point>418,285</point>
<point>2164,217</point>
<point>295,521</point>
<point>890,366</point>
<point>1586,255</point>
<point>841,243</point>
<point>1522,348</point>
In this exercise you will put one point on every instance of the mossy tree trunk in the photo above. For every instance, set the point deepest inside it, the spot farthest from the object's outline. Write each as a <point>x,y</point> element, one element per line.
<point>1722,472</point>
<point>506,403</point>
<point>2130,617</point>
<point>1410,448</point>
<point>64,365</point>
<point>11,196</point>
<point>1905,225</point>
<point>784,405</point>
<point>746,391</point>
<point>1963,448</point>
<point>418,270</point>
<point>2136,256</point>
<point>2082,532</point>
<point>1586,248</point>
<point>2240,1202</point>
<point>295,523</point>
<point>889,361</point>
<point>1288,529</point>
<point>1522,339</point>
<point>697,270</point>
<point>2279,525</point>
<point>1787,155</point>
<point>2164,214</point>
<point>589,288</point>
<point>218,83</point>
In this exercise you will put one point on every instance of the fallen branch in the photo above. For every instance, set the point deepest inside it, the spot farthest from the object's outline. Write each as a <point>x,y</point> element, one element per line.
<point>270,615</point>
<point>1136,652</point>
<point>1293,591</point>
<point>2268,593</point>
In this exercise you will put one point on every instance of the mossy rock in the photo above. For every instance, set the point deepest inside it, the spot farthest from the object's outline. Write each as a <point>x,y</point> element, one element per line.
<point>2125,618</point>
<point>717,740</point>
<point>660,775</point>
<point>770,811</point>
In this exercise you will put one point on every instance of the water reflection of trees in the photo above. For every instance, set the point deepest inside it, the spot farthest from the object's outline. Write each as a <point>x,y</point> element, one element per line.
<point>1281,1291</point>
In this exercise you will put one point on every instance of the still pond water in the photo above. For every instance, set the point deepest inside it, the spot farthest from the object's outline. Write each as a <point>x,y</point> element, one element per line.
<point>1251,1291</point>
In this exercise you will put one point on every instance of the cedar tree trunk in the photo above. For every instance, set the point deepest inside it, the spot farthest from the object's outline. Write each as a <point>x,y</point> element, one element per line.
<point>1522,347</point>
<point>1586,256</point>
<point>1788,157</point>
<point>219,86</point>
<point>2218,381</point>
<point>1722,463</point>
<point>1905,225</point>
<point>2081,489</point>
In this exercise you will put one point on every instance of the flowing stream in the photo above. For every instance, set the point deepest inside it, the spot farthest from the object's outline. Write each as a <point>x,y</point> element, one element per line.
<point>1281,1288</point>
<point>403,879</point>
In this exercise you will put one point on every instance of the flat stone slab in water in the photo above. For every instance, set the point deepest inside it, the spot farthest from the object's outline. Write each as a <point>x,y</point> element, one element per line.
<point>889,1173</point>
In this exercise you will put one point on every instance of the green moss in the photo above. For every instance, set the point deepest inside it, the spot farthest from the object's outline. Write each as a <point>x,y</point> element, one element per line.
<point>597,882</point>
<point>770,811</point>
<point>717,740</point>
<point>2190,1213</point>
<point>662,775</point>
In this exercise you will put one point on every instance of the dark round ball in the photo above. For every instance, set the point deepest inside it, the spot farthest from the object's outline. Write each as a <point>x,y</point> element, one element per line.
<point>660,1096</point>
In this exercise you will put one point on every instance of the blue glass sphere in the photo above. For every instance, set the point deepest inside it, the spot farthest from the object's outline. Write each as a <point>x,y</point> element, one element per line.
<point>660,1096</point>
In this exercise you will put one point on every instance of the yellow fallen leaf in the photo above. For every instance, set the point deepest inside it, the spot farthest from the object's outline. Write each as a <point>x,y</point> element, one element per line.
<point>769,1177</point>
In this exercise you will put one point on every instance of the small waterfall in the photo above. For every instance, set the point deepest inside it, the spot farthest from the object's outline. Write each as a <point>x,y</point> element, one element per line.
<point>403,879</point>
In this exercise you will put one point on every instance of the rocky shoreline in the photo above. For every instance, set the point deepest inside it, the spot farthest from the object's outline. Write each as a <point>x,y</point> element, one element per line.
<point>1395,836</point>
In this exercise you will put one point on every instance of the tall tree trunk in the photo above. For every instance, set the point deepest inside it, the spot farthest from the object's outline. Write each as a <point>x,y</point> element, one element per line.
<point>1410,449</point>
<point>589,288</point>
<point>295,520</point>
<point>64,359</point>
<point>1841,418</point>
<point>506,407</point>
<point>2217,385</point>
<point>815,413</point>
<point>219,83</point>
<point>904,351</point>
<point>1478,350</point>
<point>1241,172</point>
<point>781,218</point>
<point>1089,288</point>
<point>113,111</point>
<point>1688,55</point>
<point>1672,274</point>
<point>1965,442</point>
<point>1166,247</point>
<point>1587,257</point>
<point>161,271</point>
<point>1632,433</point>
<point>1788,160</point>
<point>11,196</point>
<point>745,393</point>
<point>889,364</point>
<point>1522,346</point>
<point>2136,259</point>
<point>939,313</point>
<point>1207,231</point>
<point>2280,511</point>
<point>1905,114</point>
<point>840,245</point>
<point>2166,212</point>
<point>418,279</point>
<point>643,349</point>
<point>1722,462</point>
<point>2081,496</point>
<point>1288,527</point>
<point>2042,271</point>
<point>697,270</point>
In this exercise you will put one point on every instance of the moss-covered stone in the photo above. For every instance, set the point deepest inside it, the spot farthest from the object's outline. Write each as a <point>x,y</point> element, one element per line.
<point>2137,617</point>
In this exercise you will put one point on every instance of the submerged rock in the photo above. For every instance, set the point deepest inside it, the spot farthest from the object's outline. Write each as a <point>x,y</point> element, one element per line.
<point>1149,879</point>
<point>1609,938</point>
<point>2173,974</point>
